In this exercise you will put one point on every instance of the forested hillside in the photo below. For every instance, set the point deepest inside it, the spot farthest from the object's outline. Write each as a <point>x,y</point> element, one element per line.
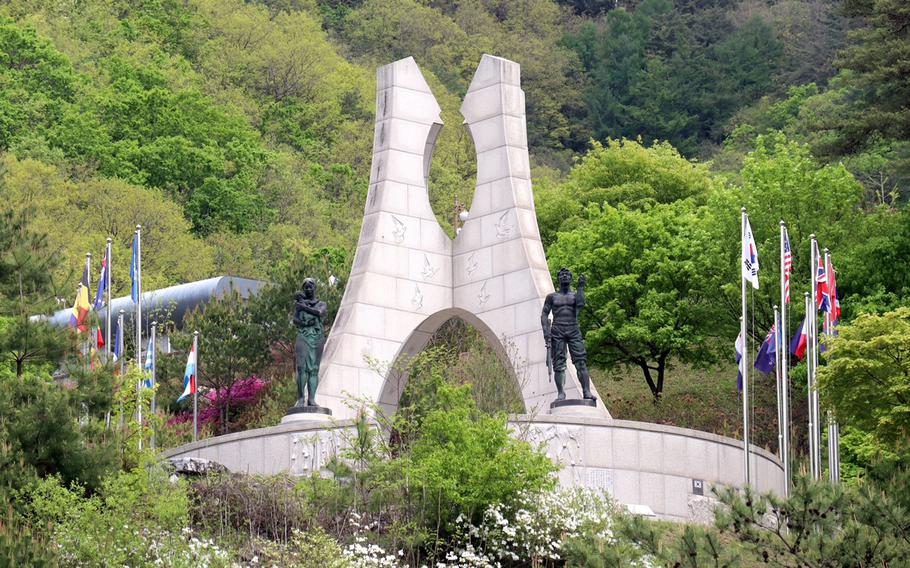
<point>238,132</point>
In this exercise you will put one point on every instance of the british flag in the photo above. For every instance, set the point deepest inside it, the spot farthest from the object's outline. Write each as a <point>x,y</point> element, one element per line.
<point>788,266</point>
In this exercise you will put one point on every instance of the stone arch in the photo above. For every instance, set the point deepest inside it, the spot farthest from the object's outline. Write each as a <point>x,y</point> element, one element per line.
<point>407,273</point>
<point>420,337</point>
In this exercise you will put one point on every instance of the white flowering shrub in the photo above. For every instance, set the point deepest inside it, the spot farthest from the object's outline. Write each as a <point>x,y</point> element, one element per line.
<point>532,530</point>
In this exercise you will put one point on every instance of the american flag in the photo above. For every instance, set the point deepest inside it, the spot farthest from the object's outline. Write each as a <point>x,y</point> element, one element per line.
<point>788,265</point>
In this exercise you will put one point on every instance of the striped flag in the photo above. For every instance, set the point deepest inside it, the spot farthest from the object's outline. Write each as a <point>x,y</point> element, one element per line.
<point>788,265</point>
<point>149,358</point>
<point>189,375</point>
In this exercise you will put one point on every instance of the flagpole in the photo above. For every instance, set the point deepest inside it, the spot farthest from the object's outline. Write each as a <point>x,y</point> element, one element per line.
<point>119,348</point>
<point>120,322</point>
<point>815,430</point>
<point>88,284</point>
<point>833,429</point>
<point>745,367</point>
<point>778,383</point>
<point>196,390</point>
<point>154,355</point>
<point>784,363</point>
<point>107,317</point>
<point>138,322</point>
<point>139,295</point>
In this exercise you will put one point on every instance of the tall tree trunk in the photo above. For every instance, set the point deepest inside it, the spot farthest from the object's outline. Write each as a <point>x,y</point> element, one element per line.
<point>655,389</point>
<point>661,372</point>
<point>19,366</point>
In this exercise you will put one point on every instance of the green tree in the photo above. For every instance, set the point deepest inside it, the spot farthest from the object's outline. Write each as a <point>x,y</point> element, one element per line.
<point>648,304</point>
<point>877,55</point>
<point>675,71</point>
<point>26,288</point>
<point>620,172</point>
<point>821,525</point>
<point>866,379</point>
<point>40,427</point>
<point>232,348</point>
<point>782,181</point>
<point>78,216</point>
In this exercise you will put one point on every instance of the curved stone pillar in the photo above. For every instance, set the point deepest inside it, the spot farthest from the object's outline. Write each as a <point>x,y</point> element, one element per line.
<point>408,276</point>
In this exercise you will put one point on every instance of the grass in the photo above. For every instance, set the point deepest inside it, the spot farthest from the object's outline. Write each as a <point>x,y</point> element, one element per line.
<point>701,399</point>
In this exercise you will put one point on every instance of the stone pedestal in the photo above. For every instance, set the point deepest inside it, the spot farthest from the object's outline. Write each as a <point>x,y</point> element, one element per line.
<point>307,414</point>
<point>576,407</point>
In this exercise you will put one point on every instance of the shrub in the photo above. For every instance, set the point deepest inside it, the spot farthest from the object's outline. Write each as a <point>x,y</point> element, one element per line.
<point>138,518</point>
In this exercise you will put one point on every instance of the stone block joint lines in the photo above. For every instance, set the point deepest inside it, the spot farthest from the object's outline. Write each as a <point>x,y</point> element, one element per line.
<point>409,277</point>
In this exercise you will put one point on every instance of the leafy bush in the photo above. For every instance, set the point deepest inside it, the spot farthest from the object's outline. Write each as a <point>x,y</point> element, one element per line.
<point>40,434</point>
<point>138,518</point>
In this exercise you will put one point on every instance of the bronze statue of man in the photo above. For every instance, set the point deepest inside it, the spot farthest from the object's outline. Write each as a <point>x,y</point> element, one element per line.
<point>309,313</point>
<point>564,332</point>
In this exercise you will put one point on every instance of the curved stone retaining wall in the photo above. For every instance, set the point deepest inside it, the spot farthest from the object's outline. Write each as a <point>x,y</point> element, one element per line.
<point>669,470</point>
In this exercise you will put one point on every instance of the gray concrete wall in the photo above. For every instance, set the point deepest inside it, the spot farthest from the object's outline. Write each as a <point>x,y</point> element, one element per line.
<point>638,463</point>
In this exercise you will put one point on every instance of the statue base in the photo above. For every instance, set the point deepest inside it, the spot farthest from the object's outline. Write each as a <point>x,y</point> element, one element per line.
<point>307,414</point>
<point>576,407</point>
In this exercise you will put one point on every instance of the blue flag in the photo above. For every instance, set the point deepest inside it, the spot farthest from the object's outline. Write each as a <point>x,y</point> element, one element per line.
<point>134,269</point>
<point>767,355</point>
<point>118,343</point>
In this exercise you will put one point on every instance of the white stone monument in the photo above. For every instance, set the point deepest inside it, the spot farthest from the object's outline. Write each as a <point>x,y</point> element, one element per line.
<point>409,277</point>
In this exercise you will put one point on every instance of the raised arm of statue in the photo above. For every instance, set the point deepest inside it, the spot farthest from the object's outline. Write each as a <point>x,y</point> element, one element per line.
<point>580,291</point>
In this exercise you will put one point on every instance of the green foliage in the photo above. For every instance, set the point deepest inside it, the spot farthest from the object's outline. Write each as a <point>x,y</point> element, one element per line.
<point>622,172</point>
<point>465,460</point>
<point>142,516</point>
<point>865,379</point>
<point>647,302</point>
<point>782,181</point>
<point>40,434</point>
<point>819,525</point>
<point>877,55</point>
<point>677,75</point>
<point>313,548</point>
<point>79,216</point>
<point>26,288</point>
